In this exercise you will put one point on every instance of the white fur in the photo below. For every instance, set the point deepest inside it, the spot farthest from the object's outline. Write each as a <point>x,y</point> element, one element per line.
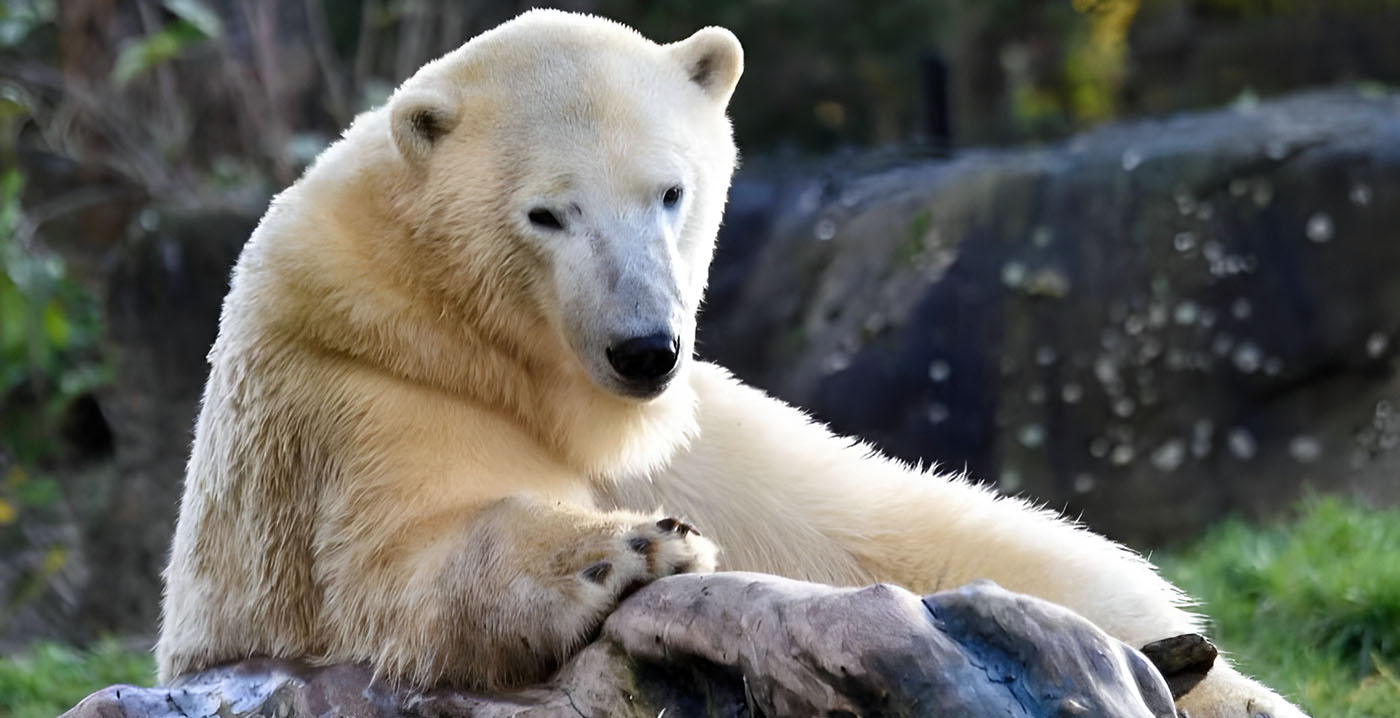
<point>412,453</point>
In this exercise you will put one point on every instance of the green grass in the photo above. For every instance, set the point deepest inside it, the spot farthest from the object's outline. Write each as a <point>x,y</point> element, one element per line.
<point>1310,606</point>
<point>49,679</point>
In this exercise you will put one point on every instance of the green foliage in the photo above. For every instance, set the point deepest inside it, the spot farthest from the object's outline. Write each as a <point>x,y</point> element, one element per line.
<point>19,17</point>
<point>196,24</point>
<point>1311,607</point>
<point>48,335</point>
<point>49,679</point>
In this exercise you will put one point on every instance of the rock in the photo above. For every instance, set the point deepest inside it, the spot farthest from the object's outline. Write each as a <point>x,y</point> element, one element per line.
<point>1152,324</point>
<point>736,644</point>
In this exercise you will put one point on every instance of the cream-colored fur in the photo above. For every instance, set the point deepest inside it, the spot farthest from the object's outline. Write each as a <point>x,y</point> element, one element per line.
<point>411,451</point>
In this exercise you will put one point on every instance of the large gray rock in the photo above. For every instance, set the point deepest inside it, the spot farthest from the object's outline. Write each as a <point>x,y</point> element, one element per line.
<point>735,644</point>
<point>1152,324</point>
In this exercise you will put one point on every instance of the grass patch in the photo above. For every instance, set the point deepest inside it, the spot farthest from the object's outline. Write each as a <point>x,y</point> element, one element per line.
<point>48,679</point>
<point>1311,606</point>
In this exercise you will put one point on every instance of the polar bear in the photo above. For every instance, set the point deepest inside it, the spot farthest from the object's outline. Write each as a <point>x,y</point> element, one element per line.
<point>453,413</point>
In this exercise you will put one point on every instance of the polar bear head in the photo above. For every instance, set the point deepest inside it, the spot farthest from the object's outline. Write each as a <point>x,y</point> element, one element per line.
<point>567,163</point>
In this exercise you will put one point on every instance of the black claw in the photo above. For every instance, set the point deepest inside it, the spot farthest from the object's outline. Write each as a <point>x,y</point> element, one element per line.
<point>639,544</point>
<point>1183,660</point>
<point>598,572</point>
<point>670,525</point>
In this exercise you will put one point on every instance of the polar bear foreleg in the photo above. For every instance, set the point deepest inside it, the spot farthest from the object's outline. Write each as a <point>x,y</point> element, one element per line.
<point>500,598</point>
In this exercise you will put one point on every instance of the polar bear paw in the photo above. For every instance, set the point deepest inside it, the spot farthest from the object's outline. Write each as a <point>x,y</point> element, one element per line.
<point>649,551</point>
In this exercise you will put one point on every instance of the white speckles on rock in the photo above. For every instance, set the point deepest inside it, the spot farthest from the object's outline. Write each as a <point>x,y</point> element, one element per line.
<point>939,370</point>
<point>1241,443</point>
<point>1013,274</point>
<point>825,230</point>
<point>1132,157</point>
<point>1248,357</point>
<point>1185,203</point>
<point>1031,436</point>
<point>1376,345</point>
<point>1319,227</point>
<point>1361,194</point>
<point>1106,370</point>
<point>1169,456</point>
<point>836,362</point>
<point>1186,313</point>
<point>1261,192</point>
<point>1201,434</point>
<point>1304,449</point>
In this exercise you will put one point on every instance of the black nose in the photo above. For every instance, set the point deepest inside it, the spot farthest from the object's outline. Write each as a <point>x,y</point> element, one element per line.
<point>645,358</point>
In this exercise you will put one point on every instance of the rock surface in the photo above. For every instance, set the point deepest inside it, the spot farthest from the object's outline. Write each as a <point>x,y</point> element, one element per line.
<point>1153,324</point>
<point>736,644</point>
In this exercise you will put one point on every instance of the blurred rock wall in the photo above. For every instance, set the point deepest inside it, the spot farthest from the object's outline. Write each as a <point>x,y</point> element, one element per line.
<point>1152,324</point>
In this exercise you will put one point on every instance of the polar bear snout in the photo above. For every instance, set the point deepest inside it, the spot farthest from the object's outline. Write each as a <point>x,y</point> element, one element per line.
<point>645,363</point>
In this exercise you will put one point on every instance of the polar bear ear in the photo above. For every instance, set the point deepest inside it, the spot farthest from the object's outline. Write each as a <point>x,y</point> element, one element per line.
<point>713,59</point>
<point>418,120</point>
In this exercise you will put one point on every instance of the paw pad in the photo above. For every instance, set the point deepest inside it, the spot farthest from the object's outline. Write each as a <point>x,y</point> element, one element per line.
<point>640,544</point>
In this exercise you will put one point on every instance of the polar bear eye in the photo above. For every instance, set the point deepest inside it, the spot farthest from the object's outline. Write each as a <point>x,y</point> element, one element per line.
<point>671,196</point>
<point>541,217</point>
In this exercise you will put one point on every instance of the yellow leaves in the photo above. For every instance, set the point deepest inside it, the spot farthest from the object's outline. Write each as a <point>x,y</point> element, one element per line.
<point>1096,66</point>
<point>13,479</point>
<point>54,559</point>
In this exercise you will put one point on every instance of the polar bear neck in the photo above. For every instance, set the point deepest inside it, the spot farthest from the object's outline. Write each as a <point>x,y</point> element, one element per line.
<point>488,347</point>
